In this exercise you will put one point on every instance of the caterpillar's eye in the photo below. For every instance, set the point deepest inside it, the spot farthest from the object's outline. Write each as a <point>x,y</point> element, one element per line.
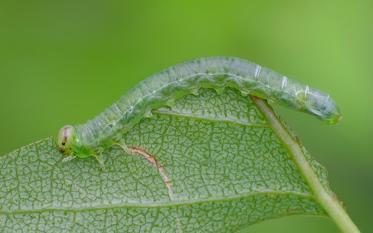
<point>65,138</point>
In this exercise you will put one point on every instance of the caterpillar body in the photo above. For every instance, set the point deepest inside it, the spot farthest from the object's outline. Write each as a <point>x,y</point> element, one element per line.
<point>175,82</point>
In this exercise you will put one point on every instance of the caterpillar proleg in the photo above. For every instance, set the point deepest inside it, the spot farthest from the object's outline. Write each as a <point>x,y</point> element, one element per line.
<point>175,82</point>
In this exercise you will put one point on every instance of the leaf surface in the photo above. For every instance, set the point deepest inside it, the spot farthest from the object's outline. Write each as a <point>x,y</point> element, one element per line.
<point>209,163</point>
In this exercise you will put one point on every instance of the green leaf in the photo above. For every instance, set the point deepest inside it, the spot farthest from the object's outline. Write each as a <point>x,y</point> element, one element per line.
<point>210,163</point>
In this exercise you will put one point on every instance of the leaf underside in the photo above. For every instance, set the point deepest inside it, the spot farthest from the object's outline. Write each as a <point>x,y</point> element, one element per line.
<point>210,163</point>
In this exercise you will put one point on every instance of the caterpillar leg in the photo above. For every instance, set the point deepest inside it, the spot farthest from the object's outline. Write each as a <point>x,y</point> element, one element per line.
<point>123,146</point>
<point>68,158</point>
<point>100,159</point>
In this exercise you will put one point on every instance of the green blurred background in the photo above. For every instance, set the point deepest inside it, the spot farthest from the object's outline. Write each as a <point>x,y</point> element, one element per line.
<point>65,61</point>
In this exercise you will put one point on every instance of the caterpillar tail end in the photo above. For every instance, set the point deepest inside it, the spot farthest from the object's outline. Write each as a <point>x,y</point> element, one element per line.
<point>335,118</point>
<point>323,106</point>
<point>330,113</point>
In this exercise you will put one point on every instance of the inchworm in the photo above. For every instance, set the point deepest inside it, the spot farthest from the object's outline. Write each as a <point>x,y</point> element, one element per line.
<point>159,90</point>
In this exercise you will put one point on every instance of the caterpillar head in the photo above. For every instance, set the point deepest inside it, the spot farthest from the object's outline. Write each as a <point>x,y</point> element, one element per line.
<point>66,139</point>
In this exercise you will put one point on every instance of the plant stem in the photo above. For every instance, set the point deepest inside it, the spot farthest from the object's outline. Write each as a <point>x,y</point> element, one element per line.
<point>327,200</point>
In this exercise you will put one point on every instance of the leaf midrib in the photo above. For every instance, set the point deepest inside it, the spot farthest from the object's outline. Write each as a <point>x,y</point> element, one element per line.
<point>158,204</point>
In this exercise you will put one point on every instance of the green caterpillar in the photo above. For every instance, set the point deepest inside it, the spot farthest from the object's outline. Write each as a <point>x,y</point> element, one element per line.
<point>159,90</point>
